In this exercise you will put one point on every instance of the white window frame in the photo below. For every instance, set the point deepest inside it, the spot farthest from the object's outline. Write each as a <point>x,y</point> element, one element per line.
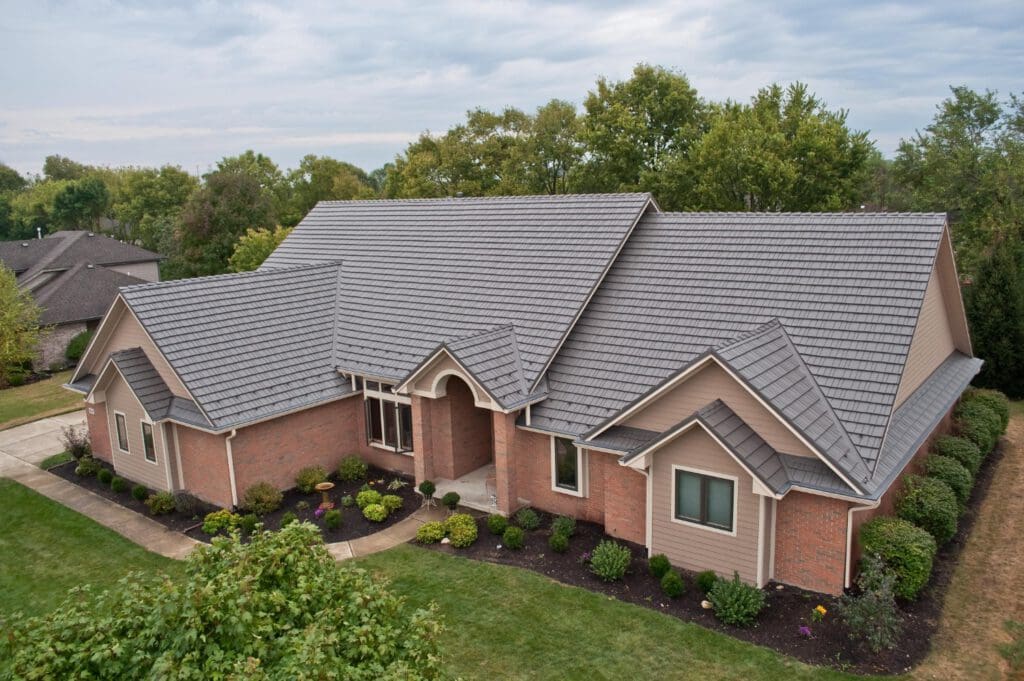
<point>582,478</point>
<point>387,396</point>
<point>152,434</point>
<point>711,474</point>
<point>117,434</point>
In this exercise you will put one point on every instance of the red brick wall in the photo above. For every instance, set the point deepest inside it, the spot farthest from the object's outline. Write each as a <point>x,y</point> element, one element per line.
<point>470,429</point>
<point>810,542</point>
<point>625,500</point>
<point>204,465</point>
<point>99,431</point>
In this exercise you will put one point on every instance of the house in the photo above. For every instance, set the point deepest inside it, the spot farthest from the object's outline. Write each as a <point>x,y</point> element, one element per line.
<point>74,276</point>
<point>739,391</point>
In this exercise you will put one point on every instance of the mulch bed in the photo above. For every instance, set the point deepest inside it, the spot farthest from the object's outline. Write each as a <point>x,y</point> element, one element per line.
<point>787,607</point>
<point>353,524</point>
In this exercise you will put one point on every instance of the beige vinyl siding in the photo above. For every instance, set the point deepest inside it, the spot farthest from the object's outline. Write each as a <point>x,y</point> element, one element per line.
<point>932,342</point>
<point>707,385</point>
<point>134,465</point>
<point>445,364</point>
<point>693,547</point>
<point>767,530</point>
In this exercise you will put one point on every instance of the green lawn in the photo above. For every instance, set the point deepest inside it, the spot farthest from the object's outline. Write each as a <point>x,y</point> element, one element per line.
<point>29,402</point>
<point>507,623</point>
<point>45,549</point>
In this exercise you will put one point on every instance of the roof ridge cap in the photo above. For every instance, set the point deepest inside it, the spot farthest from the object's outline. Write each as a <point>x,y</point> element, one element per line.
<point>495,199</point>
<point>235,275</point>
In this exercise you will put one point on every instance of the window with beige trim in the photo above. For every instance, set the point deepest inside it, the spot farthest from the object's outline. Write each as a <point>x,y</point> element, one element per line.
<point>388,417</point>
<point>704,499</point>
<point>568,467</point>
<point>122,431</point>
<point>147,442</point>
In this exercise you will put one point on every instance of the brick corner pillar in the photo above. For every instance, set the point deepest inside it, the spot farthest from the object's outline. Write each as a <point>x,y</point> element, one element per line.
<point>423,462</point>
<point>810,542</point>
<point>504,427</point>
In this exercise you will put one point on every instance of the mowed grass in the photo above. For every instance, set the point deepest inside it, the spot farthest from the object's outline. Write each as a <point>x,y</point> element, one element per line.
<point>36,400</point>
<point>508,623</point>
<point>46,549</point>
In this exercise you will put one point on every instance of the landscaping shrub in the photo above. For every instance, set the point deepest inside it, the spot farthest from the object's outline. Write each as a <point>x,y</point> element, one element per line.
<point>497,524</point>
<point>461,529</point>
<point>564,524</point>
<point>187,504</point>
<point>352,468</point>
<point>160,503</point>
<point>219,521</point>
<point>527,519</point>
<point>610,560</point>
<point>262,498</point>
<point>930,504</point>
<point>375,513</point>
<point>513,538</point>
<point>332,519</point>
<point>951,472</point>
<point>367,497</point>
<point>672,584</point>
<point>994,400</point>
<point>427,489</point>
<point>396,484</point>
<point>235,613</point>
<point>871,615</point>
<point>558,542</point>
<point>430,533</point>
<point>16,377</point>
<point>961,449</point>
<point>451,500</point>
<point>308,478</point>
<point>706,580</point>
<point>140,493</point>
<point>105,475</point>
<point>392,502</point>
<point>979,424</point>
<point>347,501</point>
<point>118,484</point>
<point>88,466</point>
<point>77,345</point>
<point>904,548</point>
<point>736,603</point>
<point>302,505</point>
<point>288,517</point>
<point>76,441</point>
<point>248,522</point>
<point>659,565</point>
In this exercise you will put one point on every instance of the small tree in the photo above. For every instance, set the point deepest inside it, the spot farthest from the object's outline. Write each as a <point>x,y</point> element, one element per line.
<point>19,326</point>
<point>872,615</point>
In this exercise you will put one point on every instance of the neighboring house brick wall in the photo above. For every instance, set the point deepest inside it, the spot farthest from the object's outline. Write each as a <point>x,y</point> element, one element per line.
<point>99,433</point>
<point>810,542</point>
<point>53,342</point>
<point>204,465</point>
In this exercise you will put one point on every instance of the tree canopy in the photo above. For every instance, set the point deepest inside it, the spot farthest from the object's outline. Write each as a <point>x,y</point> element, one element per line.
<point>19,326</point>
<point>254,247</point>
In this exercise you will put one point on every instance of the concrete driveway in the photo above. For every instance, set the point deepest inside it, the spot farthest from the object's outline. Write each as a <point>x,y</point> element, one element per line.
<point>28,444</point>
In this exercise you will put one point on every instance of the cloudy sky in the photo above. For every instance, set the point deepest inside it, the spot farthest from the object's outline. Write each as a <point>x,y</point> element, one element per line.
<point>147,83</point>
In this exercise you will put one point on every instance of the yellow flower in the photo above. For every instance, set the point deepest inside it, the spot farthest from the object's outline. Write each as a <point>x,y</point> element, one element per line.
<point>821,609</point>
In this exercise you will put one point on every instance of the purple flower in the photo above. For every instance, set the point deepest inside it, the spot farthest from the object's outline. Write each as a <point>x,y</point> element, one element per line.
<point>319,513</point>
<point>805,631</point>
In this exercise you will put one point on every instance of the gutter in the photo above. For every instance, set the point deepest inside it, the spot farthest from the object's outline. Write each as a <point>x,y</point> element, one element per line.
<point>231,466</point>
<point>849,536</point>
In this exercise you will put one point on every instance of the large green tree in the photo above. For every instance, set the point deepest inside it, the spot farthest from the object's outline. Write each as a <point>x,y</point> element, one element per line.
<point>81,204</point>
<point>58,167</point>
<point>149,200</point>
<point>995,313</point>
<point>255,246</point>
<point>271,180</point>
<point>321,178</point>
<point>10,179</point>
<point>19,326</point>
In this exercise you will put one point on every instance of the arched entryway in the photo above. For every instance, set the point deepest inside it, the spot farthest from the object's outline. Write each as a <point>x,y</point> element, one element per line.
<point>466,442</point>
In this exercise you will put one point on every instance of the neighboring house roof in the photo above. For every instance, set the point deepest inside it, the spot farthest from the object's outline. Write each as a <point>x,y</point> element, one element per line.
<point>65,249</point>
<point>83,292</point>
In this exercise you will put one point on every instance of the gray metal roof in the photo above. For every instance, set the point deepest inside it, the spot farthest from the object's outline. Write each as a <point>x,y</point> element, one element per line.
<point>247,346</point>
<point>151,390</point>
<point>846,287</point>
<point>419,272</point>
<point>623,439</point>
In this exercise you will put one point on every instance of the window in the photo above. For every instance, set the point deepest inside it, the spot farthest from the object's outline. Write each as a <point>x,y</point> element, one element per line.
<point>122,432</point>
<point>704,499</point>
<point>568,473</point>
<point>388,417</point>
<point>147,441</point>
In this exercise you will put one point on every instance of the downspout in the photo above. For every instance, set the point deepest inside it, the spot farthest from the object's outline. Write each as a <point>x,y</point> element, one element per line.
<point>849,536</point>
<point>231,467</point>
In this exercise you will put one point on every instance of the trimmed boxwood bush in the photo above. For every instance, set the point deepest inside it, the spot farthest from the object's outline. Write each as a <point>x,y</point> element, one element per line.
<point>367,497</point>
<point>262,498</point>
<point>527,519</point>
<point>104,475</point>
<point>961,449</point>
<point>563,524</point>
<point>352,468</point>
<point>994,400</point>
<point>451,500</point>
<point>392,502</point>
<point>140,493</point>
<point>513,538</point>
<point>375,513</point>
<point>951,472</point>
<point>558,542</point>
<point>497,524</point>
<point>461,529</point>
<point>929,503</point>
<point>706,580</point>
<point>427,489</point>
<point>219,521</point>
<point>659,565</point>
<point>88,466</point>
<point>672,584</point>
<point>332,519</point>
<point>160,503</point>
<point>610,560</point>
<point>979,424</point>
<point>904,548</point>
<point>118,484</point>
<point>308,478</point>
<point>430,533</point>
<point>736,603</point>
